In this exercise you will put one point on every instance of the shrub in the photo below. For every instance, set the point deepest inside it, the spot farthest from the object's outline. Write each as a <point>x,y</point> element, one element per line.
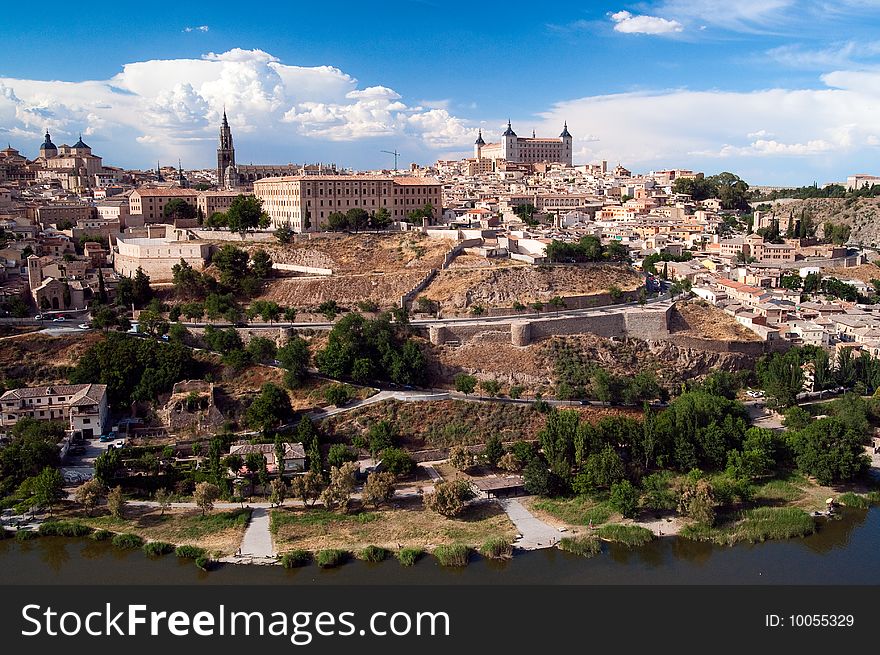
<point>453,555</point>
<point>26,535</point>
<point>127,540</point>
<point>624,498</point>
<point>203,562</point>
<point>397,461</point>
<point>373,554</point>
<point>331,557</point>
<point>189,552</point>
<point>409,556</point>
<point>295,558</point>
<point>102,535</point>
<point>585,546</point>
<point>497,548</point>
<point>854,500</point>
<point>64,529</point>
<point>158,548</point>
<point>631,535</point>
<point>449,498</point>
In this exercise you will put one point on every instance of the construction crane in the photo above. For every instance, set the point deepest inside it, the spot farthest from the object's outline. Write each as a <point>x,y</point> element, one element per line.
<point>396,155</point>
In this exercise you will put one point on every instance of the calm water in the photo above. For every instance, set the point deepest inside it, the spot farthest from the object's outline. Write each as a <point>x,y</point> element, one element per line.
<point>844,551</point>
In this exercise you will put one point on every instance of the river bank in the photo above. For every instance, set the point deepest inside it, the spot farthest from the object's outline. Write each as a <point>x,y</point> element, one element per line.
<point>842,551</point>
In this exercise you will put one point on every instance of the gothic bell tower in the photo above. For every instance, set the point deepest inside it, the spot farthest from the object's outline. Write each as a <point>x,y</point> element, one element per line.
<point>226,151</point>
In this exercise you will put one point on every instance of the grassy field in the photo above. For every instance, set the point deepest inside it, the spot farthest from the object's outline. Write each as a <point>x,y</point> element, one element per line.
<point>219,531</point>
<point>407,525</point>
<point>579,510</point>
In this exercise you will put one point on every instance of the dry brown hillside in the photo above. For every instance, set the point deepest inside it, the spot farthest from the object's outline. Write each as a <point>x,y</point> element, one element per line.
<point>37,359</point>
<point>861,214</point>
<point>502,286</point>
<point>362,253</point>
<point>697,318</point>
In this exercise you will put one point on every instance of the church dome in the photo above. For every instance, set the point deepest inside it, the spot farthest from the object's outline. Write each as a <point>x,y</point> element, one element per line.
<point>48,147</point>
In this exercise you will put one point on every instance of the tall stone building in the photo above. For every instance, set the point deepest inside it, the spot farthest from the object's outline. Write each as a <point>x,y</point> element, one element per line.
<point>226,151</point>
<point>527,150</point>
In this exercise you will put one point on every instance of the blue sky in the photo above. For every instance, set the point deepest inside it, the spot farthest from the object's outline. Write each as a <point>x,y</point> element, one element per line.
<point>779,91</point>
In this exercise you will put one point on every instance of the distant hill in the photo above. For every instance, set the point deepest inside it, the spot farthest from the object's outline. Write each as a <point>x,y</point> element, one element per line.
<point>861,214</point>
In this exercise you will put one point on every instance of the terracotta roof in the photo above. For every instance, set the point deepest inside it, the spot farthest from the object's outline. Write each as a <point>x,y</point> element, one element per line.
<point>150,191</point>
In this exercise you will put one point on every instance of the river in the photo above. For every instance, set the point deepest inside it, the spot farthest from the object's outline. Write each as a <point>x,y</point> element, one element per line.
<point>842,551</point>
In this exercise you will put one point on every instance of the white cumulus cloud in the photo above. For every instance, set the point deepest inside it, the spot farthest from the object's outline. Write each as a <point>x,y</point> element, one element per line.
<point>279,112</point>
<point>627,23</point>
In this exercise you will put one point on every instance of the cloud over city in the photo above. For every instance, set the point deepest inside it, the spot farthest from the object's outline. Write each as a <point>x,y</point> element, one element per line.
<point>280,112</point>
<point>173,107</point>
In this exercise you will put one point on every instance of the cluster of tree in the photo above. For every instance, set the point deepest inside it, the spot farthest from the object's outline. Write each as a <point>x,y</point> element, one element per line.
<point>831,287</point>
<point>696,430</point>
<point>649,263</point>
<point>270,409</point>
<point>587,249</point>
<point>837,233</point>
<point>135,290</point>
<point>179,209</point>
<point>367,350</point>
<point>418,215</point>
<point>782,375</point>
<point>729,189</point>
<point>814,191</point>
<point>32,446</point>
<point>526,212</point>
<point>133,369</point>
<point>579,377</point>
<point>245,214</point>
<point>357,220</point>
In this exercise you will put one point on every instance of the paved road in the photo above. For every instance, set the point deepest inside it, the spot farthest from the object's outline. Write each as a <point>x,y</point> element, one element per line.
<point>535,533</point>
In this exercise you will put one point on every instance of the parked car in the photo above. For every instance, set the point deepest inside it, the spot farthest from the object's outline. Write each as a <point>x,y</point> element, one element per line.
<point>120,443</point>
<point>58,319</point>
<point>104,438</point>
<point>84,326</point>
<point>38,317</point>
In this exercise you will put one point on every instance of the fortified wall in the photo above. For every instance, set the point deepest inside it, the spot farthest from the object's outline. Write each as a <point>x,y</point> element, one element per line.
<point>649,322</point>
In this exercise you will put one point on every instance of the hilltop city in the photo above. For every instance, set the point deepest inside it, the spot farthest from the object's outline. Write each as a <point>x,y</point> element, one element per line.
<point>289,362</point>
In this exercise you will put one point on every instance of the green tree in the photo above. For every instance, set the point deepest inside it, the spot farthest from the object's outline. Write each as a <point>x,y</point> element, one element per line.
<point>294,356</point>
<point>357,219</point>
<point>44,490</point>
<point>233,265</point>
<point>205,495</point>
<point>246,213</point>
<point>284,234</point>
<point>380,219</point>
<point>179,209</point>
<point>261,263</point>
<point>116,502</point>
<point>270,408</point>
<point>493,450</point>
<point>781,377</point>
<point>829,451</point>
<point>465,383</point>
<point>337,394</point>
<point>624,498</point>
<point>339,454</point>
